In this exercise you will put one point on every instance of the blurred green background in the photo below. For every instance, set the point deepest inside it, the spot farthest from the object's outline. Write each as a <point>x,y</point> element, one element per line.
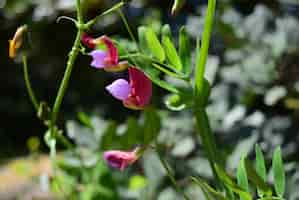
<point>254,68</point>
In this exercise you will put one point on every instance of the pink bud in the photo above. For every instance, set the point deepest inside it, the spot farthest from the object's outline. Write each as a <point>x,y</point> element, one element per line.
<point>120,159</point>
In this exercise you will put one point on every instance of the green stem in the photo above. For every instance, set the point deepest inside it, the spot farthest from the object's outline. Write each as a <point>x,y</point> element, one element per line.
<point>203,54</point>
<point>124,19</point>
<point>28,84</point>
<point>70,64</point>
<point>201,116</point>
<point>207,137</point>
<point>65,81</point>
<point>115,7</point>
<point>171,176</point>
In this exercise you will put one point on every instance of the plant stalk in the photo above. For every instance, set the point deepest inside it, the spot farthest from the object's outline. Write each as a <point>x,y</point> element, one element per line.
<point>28,84</point>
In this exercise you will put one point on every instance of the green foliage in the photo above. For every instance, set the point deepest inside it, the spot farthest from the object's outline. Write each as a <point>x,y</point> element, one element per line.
<point>279,174</point>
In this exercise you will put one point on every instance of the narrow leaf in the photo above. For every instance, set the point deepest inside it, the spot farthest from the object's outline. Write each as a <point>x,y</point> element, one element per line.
<point>228,181</point>
<point>242,176</point>
<point>151,126</point>
<point>154,76</point>
<point>185,51</point>
<point>260,166</point>
<point>207,189</point>
<point>166,31</point>
<point>260,162</point>
<point>279,174</point>
<point>154,44</point>
<point>142,39</point>
<point>256,179</point>
<point>171,53</point>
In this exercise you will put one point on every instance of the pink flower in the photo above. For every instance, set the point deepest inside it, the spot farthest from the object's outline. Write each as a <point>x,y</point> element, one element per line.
<point>105,53</point>
<point>136,94</point>
<point>88,41</point>
<point>120,159</point>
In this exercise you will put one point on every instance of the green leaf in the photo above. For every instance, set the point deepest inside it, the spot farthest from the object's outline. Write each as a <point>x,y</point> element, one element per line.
<point>132,135</point>
<point>171,54</point>
<point>166,31</point>
<point>256,179</point>
<point>142,39</point>
<point>151,125</point>
<point>260,166</point>
<point>154,76</point>
<point>208,190</point>
<point>279,174</point>
<point>154,45</point>
<point>84,119</point>
<point>242,176</point>
<point>228,181</point>
<point>185,51</point>
<point>109,136</point>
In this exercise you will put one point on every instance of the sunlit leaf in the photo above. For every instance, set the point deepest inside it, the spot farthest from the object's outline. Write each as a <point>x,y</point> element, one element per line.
<point>171,53</point>
<point>154,45</point>
<point>185,51</point>
<point>229,182</point>
<point>279,174</point>
<point>242,176</point>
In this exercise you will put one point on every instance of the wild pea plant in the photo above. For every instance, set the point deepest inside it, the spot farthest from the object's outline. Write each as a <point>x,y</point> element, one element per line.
<point>153,59</point>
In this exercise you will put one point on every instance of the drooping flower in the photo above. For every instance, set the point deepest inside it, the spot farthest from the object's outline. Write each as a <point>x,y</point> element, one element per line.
<point>135,94</point>
<point>88,41</point>
<point>105,53</point>
<point>120,159</point>
<point>17,41</point>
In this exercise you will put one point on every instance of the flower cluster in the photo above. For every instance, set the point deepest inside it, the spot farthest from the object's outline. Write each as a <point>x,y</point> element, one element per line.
<point>135,93</point>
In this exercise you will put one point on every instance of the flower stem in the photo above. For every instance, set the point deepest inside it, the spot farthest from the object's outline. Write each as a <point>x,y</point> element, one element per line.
<point>203,54</point>
<point>207,138</point>
<point>170,175</point>
<point>65,81</point>
<point>70,64</point>
<point>199,109</point>
<point>28,84</point>
<point>125,21</point>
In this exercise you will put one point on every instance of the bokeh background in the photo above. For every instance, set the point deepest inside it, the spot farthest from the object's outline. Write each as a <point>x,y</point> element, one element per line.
<point>254,68</point>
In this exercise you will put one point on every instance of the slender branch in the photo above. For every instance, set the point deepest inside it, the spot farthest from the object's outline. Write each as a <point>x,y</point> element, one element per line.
<point>79,12</point>
<point>125,21</point>
<point>199,110</point>
<point>206,36</point>
<point>115,7</point>
<point>28,84</point>
<point>171,176</point>
<point>65,81</point>
<point>207,137</point>
<point>70,64</point>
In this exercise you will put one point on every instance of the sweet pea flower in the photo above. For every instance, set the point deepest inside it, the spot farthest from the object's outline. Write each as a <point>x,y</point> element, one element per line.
<point>105,53</point>
<point>120,159</point>
<point>135,94</point>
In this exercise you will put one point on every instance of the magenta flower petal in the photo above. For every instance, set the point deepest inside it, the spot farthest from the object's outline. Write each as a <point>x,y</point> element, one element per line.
<point>120,159</point>
<point>120,89</point>
<point>112,58</point>
<point>99,57</point>
<point>141,89</point>
<point>88,41</point>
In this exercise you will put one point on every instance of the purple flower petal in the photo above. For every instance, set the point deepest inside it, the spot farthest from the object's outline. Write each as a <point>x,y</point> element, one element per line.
<point>98,58</point>
<point>120,89</point>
